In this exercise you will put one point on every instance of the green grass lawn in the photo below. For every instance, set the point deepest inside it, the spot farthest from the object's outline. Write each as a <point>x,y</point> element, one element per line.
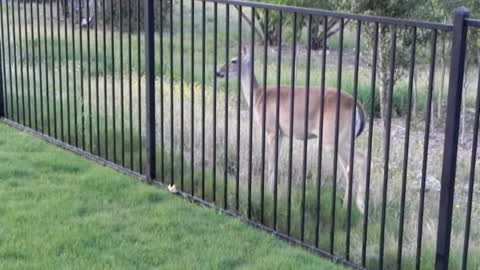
<point>59,211</point>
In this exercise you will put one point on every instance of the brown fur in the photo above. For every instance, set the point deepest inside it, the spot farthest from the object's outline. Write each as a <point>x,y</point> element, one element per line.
<point>272,97</point>
<point>346,107</point>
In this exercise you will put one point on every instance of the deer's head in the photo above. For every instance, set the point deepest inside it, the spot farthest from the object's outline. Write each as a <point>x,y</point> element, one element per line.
<point>233,65</point>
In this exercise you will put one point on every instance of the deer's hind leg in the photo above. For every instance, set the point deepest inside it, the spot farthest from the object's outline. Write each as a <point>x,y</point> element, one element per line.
<point>272,152</point>
<point>360,160</point>
<point>344,159</point>
<point>361,185</point>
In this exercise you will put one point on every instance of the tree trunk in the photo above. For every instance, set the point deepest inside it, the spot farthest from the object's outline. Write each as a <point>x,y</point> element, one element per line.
<point>443,61</point>
<point>415,95</point>
<point>317,31</point>
<point>296,65</point>
<point>247,19</point>
<point>464,99</point>
<point>65,8</point>
<point>383,73</point>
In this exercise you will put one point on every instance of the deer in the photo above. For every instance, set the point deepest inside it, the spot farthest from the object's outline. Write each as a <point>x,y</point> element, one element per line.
<point>241,67</point>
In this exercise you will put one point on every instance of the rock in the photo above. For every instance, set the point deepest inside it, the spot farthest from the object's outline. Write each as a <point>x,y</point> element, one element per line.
<point>431,183</point>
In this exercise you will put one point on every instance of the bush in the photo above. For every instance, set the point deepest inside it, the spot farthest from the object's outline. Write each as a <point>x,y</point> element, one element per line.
<point>120,12</point>
<point>302,21</point>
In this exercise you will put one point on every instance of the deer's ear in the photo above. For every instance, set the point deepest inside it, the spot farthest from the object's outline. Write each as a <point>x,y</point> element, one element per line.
<point>244,50</point>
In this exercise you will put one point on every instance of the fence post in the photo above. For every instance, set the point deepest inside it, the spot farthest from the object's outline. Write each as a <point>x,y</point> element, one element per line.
<point>457,66</point>
<point>150,88</point>
<point>2,96</point>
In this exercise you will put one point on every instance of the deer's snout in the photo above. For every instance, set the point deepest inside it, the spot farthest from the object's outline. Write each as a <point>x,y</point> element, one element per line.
<point>220,74</point>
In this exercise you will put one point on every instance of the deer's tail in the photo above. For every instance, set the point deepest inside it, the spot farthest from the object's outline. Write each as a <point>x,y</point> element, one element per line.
<point>360,120</point>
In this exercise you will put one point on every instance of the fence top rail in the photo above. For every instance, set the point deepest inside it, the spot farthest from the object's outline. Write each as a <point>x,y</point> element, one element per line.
<point>473,22</point>
<point>340,15</point>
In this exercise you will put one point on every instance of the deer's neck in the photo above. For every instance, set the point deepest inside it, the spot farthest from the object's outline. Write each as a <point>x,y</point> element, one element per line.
<point>249,83</point>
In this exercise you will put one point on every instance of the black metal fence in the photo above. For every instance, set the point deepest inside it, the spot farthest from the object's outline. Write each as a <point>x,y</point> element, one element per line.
<point>178,102</point>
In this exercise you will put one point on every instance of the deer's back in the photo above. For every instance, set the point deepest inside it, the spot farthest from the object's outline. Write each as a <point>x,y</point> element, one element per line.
<point>330,97</point>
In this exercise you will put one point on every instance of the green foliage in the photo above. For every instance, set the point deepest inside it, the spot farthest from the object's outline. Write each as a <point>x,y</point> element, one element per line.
<point>391,8</point>
<point>287,21</point>
<point>120,13</point>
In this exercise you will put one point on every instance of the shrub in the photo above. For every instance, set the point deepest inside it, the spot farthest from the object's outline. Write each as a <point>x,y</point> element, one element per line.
<point>121,13</point>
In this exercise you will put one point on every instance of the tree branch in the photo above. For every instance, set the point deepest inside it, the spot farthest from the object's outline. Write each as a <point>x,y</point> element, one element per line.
<point>259,33</point>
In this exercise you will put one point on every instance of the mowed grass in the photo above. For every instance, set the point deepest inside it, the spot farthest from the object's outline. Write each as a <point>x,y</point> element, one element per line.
<point>61,211</point>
